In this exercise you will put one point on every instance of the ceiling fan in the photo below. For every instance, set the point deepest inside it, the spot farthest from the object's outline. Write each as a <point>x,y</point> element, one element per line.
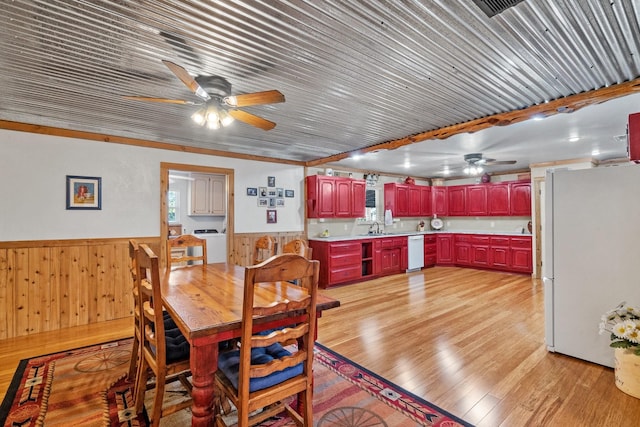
<point>476,161</point>
<point>218,106</point>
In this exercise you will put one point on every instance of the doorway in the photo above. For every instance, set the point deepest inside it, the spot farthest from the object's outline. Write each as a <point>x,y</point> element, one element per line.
<point>165,169</point>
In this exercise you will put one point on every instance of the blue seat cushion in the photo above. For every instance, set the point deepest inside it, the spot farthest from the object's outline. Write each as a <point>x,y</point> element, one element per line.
<point>229,364</point>
<point>177,346</point>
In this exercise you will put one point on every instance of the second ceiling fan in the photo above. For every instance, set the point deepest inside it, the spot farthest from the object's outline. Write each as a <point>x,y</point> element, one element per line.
<point>476,162</point>
<point>218,105</point>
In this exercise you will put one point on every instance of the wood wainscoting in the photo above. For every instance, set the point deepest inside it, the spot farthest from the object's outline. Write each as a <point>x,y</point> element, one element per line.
<point>244,244</point>
<point>47,285</point>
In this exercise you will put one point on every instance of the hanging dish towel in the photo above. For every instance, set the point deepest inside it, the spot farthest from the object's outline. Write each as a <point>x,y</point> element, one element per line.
<point>388,218</point>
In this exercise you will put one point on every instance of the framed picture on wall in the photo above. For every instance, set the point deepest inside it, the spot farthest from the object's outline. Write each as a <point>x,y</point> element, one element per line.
<point>262,191</point>
<point>288,193</point>
<point>272,216</point>
<point>84,192</point>
<point>272,193</point>
<point>252,191</point>
<point>272,202</point>
<point>279,202</point>
<point>263,201</point>
<point>279,192</point>
<point>271,181</point>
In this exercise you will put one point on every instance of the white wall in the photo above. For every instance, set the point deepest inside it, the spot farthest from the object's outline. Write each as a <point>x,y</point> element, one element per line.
<point>33,171</point>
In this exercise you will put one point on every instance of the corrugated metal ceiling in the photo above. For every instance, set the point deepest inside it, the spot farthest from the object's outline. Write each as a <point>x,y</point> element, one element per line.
<point>354,73</point>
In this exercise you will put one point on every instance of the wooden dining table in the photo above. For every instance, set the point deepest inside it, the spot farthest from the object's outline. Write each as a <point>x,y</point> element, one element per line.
<point>206,304</point>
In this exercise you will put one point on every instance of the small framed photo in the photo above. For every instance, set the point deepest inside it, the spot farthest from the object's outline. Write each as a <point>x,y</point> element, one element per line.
<point>263,201</point>
<point>288,193</point>
<point>84,192</point>
<point>279,202</point>
<point>272,202</point>
<point>271,181</point>
<point>272,216</point>
<point>252,191</point>
<point>279,192</point>
<point>262,191</point>
<point>272,193</point>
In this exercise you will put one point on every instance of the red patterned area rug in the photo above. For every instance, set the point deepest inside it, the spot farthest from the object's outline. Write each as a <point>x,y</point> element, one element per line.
<point>87,387</point>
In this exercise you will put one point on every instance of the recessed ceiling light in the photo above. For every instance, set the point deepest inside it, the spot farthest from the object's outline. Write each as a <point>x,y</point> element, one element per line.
<point>574,139</point>
<point>595,153</point>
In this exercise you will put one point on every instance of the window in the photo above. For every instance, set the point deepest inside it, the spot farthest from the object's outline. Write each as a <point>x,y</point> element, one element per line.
<point>173,205</point>
<point>370,206</point>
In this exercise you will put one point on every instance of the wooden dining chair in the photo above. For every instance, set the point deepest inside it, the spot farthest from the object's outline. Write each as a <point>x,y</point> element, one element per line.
<point>265,248</point>
<point>163,352</point>
<point>298,246</point>
<point>178,250</point>
<point>135,349</point>
<point>268,368</point>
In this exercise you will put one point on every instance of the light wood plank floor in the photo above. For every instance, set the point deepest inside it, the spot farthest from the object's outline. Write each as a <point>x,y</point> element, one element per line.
<point>470,341</point>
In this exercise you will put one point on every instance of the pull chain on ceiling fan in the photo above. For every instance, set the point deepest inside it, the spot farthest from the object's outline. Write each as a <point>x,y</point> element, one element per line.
<point>218,104</point>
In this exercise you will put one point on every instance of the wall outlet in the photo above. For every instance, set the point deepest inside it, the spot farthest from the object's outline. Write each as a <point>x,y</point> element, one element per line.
<point>492,224</point>
<point>346,227</point>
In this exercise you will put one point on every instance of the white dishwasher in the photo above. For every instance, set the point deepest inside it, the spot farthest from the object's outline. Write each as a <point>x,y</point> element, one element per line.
<point>415,249</point>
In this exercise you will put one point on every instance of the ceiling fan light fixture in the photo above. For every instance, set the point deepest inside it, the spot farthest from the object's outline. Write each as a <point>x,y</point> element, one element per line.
<point>225,118</point>
<point>199,116</point>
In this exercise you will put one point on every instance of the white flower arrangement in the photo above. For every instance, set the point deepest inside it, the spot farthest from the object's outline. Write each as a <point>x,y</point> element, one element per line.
<point>623,322</point>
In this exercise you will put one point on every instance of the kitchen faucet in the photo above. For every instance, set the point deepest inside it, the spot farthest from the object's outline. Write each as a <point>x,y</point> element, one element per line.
<point>377,224</point>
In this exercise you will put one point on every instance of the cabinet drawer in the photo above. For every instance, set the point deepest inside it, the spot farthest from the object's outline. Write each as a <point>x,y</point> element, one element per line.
<point>343,274</point>
<point>462,238</point>
<point>345,260</point>
<point>482,240</point>
<point>430,260</point>
<point>345,248</point>
<point>388,243</point>
<point>499,241</point>
<point>429,239</point>
<point>521,242</point>
<point>430,248</point>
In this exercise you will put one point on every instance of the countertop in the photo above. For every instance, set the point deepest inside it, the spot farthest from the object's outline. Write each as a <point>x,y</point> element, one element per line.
<point>414,233</point>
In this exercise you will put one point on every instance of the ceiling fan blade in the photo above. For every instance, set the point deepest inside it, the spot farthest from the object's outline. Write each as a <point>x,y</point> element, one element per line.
<point>165,100</point>
<point>251,119</point>
<point>256,98</point>
<point>490,162</point>
<point>186,78</point>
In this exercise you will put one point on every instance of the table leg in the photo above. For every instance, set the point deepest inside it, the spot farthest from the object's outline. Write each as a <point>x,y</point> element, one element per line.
<point>204,362</point>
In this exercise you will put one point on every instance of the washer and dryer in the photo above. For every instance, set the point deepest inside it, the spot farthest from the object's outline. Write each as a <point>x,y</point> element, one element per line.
<point>216,244</point>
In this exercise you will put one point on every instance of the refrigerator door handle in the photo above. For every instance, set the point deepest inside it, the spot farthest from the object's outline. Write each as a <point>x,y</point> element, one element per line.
<point>548,313</point>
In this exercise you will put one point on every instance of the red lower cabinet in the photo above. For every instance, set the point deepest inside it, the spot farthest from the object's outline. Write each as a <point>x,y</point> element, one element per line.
<point>430,250</point>
<point>521,254</point>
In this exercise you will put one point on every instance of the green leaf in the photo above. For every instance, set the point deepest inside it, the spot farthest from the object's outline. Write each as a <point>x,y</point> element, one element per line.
<point>621,344</point>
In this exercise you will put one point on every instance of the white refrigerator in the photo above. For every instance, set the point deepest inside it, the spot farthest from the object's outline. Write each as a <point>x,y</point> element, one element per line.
<point>591,259</point>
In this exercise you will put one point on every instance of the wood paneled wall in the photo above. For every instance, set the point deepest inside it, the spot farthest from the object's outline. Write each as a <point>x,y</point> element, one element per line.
<point>47,285</point>
<point>54,284</point>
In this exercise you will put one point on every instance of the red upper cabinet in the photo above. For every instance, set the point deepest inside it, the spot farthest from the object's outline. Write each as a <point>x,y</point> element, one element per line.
<point>343,198</point>
<point>331,196</point>
<point>439,198</point>
<point>320,196</point>
<point>498,199</point>
<point>633,136</point>
<point>477,200</point>
<point>520,197</point>
<point>414,200</point>
<point>396,198</point>
<point>408,200</point>
<point>358,198</point>
<point>456,200</point>
<point>426,201</point>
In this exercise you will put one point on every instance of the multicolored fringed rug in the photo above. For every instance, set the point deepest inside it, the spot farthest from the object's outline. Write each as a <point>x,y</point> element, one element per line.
<point>87,387</point>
